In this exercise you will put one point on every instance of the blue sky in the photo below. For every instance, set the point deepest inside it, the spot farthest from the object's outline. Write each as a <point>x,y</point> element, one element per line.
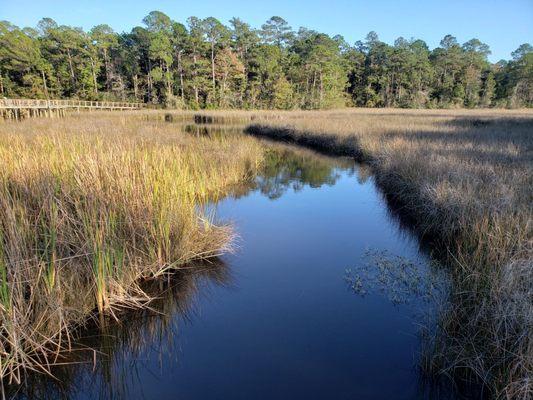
<point>503,25</point>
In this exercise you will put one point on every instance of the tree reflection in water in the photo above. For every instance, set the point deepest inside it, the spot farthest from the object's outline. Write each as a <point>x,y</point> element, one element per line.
<point>286,168</point>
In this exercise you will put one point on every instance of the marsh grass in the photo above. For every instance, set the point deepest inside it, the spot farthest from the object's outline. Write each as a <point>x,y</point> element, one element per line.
<point>91,206</point>
<point>465,179</point>
<point>94,205</point>
<point>105,355</point>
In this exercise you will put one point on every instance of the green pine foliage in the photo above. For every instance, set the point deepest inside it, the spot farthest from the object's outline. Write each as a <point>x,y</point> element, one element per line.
<point>205,64</point>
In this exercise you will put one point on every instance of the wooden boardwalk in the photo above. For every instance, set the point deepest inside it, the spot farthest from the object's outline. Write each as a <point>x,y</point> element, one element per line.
<point>17,109</point>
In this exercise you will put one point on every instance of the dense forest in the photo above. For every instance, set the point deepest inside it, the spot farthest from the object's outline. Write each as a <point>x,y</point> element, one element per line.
<point>205,64</point>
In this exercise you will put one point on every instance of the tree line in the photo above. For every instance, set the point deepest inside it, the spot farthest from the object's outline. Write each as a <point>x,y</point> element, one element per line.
<point>206,64</point>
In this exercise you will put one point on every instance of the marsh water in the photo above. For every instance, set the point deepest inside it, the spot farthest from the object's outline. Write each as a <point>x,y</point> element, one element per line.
<point>324,298</point>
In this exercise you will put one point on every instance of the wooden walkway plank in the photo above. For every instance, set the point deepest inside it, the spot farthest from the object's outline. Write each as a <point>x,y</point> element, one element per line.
<point>18,109</point>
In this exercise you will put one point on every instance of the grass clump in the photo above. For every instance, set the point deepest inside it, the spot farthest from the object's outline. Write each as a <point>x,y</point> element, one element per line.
<point>92,205</point>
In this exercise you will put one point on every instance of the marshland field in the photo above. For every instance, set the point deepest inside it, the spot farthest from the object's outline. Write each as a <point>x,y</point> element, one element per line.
<point>263,254</point>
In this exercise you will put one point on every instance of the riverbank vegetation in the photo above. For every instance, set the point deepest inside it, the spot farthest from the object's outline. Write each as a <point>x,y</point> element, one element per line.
<point>90,207</point>
<point>203,63</point>
<point>102,352</point>
<point>464,179</point>
<point>94,204</point>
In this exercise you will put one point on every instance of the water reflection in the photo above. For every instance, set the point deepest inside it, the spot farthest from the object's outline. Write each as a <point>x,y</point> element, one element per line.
<point>211,131</point>
<point>290,168</point>
<point>287,327</point>
<point>106,362</point>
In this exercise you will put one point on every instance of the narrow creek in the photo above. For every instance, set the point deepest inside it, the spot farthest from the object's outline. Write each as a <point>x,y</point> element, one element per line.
<point>324,298</point>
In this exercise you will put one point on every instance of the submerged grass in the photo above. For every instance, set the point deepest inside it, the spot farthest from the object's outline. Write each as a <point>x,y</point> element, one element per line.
<point>92,205</point>
<point>465,179</point>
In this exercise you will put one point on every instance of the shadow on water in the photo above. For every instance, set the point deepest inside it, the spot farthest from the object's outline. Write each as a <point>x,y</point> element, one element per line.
<point>323,301</point>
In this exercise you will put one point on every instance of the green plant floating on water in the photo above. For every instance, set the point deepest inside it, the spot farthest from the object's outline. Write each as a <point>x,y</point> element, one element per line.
<point>400,279</point>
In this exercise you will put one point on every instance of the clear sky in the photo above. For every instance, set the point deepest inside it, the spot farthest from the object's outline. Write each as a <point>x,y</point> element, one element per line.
<point>503,25</point>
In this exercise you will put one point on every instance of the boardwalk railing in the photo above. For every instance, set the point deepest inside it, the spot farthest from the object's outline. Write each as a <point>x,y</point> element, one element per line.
<point>23,108</point>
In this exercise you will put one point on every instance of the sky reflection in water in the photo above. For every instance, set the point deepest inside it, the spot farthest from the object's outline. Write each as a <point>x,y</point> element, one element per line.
<point>281,318</point>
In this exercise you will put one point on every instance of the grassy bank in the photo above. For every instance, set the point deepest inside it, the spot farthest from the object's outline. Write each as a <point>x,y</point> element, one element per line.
<point>92,205</point>
<point>102,352</point>
<point>465,179</point>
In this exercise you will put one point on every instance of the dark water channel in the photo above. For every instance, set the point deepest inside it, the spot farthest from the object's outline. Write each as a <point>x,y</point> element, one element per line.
<point>323,299</point>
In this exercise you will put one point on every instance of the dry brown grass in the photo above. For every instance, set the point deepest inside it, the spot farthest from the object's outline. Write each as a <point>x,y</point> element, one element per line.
<point>465,178</point>
<point>105,351</point>
<point>92,205</point>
